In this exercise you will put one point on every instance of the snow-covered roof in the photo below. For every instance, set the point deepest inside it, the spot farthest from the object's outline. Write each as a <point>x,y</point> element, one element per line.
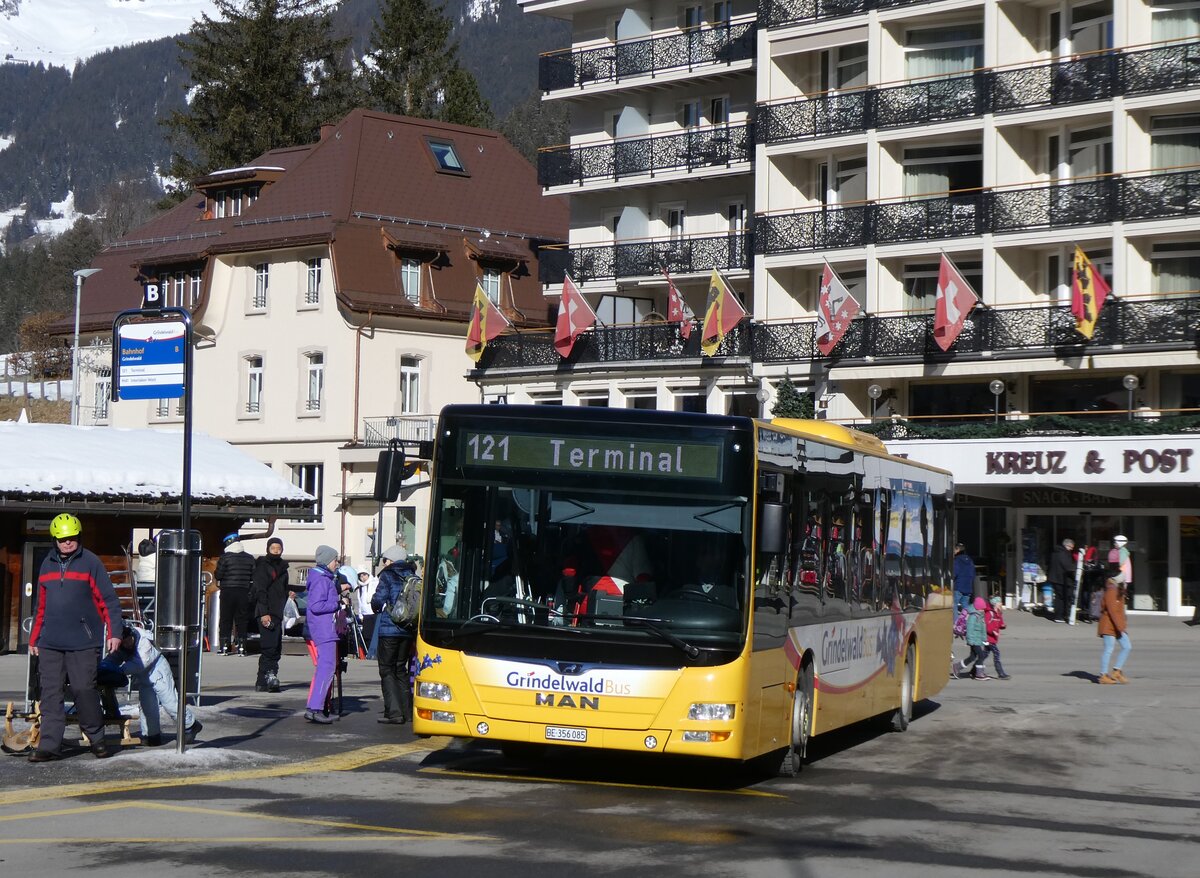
<point>110,463</point>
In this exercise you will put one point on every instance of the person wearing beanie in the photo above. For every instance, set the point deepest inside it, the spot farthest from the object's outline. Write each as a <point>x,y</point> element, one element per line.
<point>977,636</point>
<point>234,572</point>
<point>324,602</point>
<point>269,590</point>
<point>395,553</point>
<point>993,618</point>
<point>395,647</point>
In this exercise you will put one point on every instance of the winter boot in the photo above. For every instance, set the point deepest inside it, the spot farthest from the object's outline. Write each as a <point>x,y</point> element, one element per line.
<point>260,685</point>
<point>1118,675</point>
<point>272,683</point>
<point>1106,679</point>
<point>224,650</point>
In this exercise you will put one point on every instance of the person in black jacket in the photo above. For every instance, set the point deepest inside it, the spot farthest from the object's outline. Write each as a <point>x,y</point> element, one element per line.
<point>78,614</point>
<point>395,642</point>
<point>233,574</point>
<point>269,590</point>
<point>1061,575</point>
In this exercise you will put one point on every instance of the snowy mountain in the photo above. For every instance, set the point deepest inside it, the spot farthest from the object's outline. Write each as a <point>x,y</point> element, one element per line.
<point>62,32</point>
<point>84,84</point>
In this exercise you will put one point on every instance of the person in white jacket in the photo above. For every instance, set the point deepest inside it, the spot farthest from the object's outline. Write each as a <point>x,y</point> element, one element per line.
<point>364,590</point>
<point>140,658</point>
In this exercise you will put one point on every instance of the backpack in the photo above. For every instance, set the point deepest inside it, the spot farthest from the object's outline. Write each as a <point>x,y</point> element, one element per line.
<point>403,611</point>
<point>960,625</point>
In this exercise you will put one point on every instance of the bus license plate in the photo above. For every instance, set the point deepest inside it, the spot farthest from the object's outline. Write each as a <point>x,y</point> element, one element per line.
<point>558,733</point>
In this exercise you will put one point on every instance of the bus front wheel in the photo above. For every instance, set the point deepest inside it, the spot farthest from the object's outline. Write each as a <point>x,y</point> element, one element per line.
<point>801,725</point>
<point>908,678</point>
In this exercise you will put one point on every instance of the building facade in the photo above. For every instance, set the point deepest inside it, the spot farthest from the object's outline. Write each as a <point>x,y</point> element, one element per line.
<point>876,136</point>
<point>330,287</point>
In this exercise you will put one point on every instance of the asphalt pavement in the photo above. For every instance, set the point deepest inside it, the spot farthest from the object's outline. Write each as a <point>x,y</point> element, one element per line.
<point>1047,773</point>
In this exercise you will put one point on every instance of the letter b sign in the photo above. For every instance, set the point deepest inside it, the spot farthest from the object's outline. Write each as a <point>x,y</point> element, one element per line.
<point>152,296</point>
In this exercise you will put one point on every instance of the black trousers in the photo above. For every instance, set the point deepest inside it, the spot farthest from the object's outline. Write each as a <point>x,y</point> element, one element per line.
<point>55,667</point>
<point>235,610</point>
<point>1064,597</point>
<point>393,657</point>
<point>270,644</point>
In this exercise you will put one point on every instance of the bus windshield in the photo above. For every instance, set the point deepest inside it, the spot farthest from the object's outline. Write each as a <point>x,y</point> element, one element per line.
<point>588,564</point>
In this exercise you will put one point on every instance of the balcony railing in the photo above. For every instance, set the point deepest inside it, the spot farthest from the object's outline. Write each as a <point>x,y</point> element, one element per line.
<point>618,159</point>
<point>697,47</point>
<point>695,253</point>
<point>774,13</point>
<point>1095,201</point>
<point>1005,90</point>
<point>647,342</point>
<point>1167,323</point>
<point>378,432</point>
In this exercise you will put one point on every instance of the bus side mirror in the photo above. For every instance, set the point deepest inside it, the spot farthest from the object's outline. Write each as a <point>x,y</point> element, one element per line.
<point>772,528</point>
<point>389,475</point>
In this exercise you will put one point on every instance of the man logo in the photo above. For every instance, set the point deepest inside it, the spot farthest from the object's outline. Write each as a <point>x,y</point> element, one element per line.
<point>548,699</point>
<point>151,296</point>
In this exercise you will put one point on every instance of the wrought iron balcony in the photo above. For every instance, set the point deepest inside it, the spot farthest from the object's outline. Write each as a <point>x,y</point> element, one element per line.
<point>1165,323</point>
<point>1004,90</point>
<point>618,159</point>
<point>775,13</point>
<point>645,258</point>
<point>378,432</point>
<point>1095,201</point>
<point>697,47</point>
<point>641,343</point>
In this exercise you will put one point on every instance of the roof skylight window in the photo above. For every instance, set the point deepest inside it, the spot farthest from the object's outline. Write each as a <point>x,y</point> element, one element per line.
<point>446,157</point>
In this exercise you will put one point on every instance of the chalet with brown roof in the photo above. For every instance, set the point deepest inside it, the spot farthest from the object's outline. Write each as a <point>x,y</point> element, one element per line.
<point>330,287</point>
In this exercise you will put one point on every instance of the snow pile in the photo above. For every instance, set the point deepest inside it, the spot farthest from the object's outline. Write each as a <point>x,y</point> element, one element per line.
<point>106,461</point>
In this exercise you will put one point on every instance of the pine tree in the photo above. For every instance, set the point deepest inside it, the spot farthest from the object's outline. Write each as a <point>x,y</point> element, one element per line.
<point>265,75</point>
<point>412,67</point>
<point>535,124</point>
<point>790,402</point>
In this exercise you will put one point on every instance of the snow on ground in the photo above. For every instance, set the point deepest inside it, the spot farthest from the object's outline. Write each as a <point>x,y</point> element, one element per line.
<point>63,216</point>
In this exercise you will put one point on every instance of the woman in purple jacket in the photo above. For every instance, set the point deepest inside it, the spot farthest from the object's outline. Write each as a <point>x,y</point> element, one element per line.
<point>324,601</point>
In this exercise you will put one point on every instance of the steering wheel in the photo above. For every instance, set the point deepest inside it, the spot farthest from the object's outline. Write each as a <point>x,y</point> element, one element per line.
<point>484,617</point>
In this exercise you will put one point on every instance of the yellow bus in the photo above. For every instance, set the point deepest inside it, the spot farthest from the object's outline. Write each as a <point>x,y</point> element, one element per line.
<point>666,582</point>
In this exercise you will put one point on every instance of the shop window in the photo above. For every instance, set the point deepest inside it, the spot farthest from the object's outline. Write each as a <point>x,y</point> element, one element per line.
<point>1085,397</point>
<point>955,404</point>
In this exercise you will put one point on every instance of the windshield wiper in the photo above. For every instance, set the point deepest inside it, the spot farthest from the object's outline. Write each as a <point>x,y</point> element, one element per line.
<point>679,643</point>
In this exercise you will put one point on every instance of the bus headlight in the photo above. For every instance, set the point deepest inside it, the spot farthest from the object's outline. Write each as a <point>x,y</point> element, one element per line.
<point>437,716</point>
<point>705,737</point>
<point>719,712</point>
<point>436,691</point>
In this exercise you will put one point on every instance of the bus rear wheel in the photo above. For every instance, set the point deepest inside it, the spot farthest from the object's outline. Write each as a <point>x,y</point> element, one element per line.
<point>801,725</point>
<point>908,679</point>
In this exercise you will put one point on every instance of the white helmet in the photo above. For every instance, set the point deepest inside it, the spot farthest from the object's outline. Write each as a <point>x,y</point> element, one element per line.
<point>1120,539</point>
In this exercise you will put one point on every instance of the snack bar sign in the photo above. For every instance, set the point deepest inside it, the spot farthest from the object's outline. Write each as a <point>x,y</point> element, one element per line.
<point>151,360</point>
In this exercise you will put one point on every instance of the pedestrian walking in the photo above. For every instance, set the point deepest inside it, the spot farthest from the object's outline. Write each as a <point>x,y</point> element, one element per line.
<point>269,590</point>
<point>993,618</point>
<point>324,603</point>
<point>1112,630</point>
<point>977,637</point>
<point>395,641</point>
<point>1061,575</point>
<point>78,614</point>
<point>964,578</point>
<point>234,572</point>
<point>140,659</point>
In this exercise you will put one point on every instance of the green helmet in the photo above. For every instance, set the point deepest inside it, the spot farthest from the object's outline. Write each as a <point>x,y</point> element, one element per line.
<point>65,526</point>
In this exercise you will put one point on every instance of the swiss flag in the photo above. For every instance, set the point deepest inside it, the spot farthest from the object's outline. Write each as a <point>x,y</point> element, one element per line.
<point>575,316</point>
<point>835,309</point>
<point>955,299</point>
<point>677,309</point>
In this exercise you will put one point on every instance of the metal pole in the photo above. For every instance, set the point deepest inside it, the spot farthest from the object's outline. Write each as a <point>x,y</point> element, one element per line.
<point>1130,404</point>
<point>185,517</point>
<point>75,355</point>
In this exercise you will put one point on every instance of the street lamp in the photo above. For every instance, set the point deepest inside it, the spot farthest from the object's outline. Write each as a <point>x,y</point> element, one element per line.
<point>874,391</point>
<point>80,274</point>
<point>1131,384</point>
<point>997,388</point>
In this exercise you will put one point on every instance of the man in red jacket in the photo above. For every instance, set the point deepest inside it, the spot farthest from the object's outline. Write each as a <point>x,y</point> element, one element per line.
<point>77,614</point>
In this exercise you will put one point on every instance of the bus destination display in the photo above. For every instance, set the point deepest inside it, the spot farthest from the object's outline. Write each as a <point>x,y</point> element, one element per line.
<point>680,460</point>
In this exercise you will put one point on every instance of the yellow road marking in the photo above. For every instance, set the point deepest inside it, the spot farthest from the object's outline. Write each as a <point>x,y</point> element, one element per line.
<point>598,783</point>
<point>257,815</point>
<point>338,762</point>
<point>205,839</point>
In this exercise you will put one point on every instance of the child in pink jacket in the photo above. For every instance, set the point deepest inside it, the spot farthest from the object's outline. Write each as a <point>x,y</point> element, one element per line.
<point>993,618</point>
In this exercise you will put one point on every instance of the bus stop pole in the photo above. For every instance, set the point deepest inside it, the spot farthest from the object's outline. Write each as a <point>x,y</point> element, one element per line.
<point>185,523</point>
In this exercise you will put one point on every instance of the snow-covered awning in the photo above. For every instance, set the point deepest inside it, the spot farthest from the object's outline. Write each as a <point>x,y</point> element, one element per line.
<point>49,465</point>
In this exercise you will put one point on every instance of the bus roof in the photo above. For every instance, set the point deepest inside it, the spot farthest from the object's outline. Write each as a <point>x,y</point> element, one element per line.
<point>844,436</point>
